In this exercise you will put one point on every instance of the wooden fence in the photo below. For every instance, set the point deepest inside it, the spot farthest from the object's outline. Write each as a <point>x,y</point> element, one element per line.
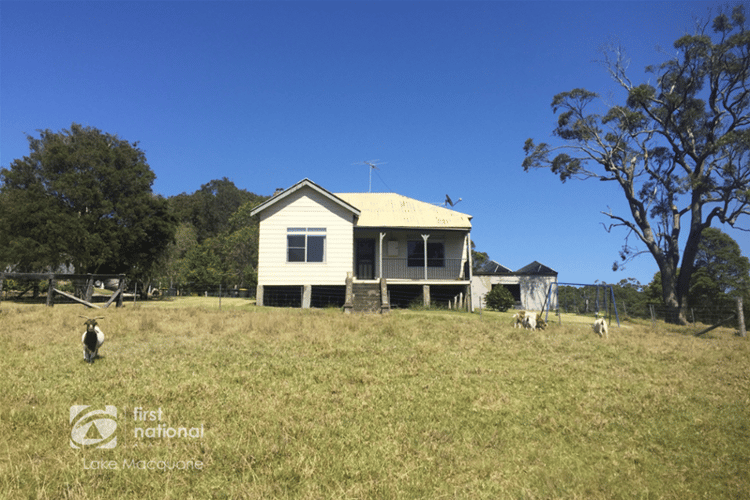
<point>52,290</point>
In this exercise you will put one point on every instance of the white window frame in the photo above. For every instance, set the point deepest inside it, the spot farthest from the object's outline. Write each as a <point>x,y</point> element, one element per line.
<point>306,233</point>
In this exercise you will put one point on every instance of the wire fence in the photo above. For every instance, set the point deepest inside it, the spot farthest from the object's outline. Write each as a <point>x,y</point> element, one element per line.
<point>201,290</point>
<point>580,301</point>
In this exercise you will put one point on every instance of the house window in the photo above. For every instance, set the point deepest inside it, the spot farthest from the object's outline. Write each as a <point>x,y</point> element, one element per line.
<point>305,244</point>
<point>435,254</point>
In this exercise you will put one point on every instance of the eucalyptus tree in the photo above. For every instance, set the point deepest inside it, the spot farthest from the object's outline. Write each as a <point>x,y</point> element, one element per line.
<point>677,148</point>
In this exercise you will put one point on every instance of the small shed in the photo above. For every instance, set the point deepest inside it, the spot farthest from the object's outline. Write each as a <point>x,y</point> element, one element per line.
<point>528,285</point>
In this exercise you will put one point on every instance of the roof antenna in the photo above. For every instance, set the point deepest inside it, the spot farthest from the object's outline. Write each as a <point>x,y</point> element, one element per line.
<point>373,166</point>
<point>450,202</point>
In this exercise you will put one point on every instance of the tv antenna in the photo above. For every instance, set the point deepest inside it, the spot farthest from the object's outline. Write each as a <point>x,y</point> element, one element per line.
<point>450,202</point>
<point>373,166</point>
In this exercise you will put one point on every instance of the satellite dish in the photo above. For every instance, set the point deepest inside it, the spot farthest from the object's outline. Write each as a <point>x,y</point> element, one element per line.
<point>450,202</point>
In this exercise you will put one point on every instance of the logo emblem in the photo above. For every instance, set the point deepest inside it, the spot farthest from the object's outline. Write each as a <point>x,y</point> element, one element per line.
<point>93,428</point>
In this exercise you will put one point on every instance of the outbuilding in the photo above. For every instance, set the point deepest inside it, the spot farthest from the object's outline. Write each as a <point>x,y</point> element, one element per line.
<point>528,285</point>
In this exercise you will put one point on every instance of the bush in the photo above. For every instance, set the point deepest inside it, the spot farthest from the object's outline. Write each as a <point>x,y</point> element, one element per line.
<point>499,299</point>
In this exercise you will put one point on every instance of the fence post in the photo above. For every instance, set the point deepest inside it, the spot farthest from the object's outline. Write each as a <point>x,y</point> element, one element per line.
<point>653,317</point>
<point>349,295</point>
<point>741,318</point>
<point>2,278</point>
<point>51,292</point>
<point>89,289</point>
<point>121,290</point>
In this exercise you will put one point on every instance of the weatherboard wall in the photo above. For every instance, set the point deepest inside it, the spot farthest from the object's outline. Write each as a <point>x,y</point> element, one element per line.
<point>305,208</point>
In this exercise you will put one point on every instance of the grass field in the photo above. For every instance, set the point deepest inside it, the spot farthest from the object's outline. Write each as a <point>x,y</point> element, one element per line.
<point>416,404</point>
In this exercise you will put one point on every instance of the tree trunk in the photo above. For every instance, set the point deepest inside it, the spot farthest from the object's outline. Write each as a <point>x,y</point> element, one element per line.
<point>675,297</point>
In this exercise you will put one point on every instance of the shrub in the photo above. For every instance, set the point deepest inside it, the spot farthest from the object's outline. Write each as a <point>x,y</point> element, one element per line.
<point>499,299</point>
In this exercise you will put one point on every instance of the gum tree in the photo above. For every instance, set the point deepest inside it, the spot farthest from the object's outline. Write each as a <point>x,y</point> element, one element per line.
<point>677,148</point>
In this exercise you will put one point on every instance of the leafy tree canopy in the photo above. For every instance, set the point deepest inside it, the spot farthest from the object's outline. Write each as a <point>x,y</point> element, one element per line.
<point>719,257</point>
<point>678,148</point>
<point>82,197</point>
<point>210,208</point>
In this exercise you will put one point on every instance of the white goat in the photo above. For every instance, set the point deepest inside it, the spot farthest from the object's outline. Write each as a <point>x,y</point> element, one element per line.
<point>600,328</point>
<point>92,339</point>
<point>529,320</point>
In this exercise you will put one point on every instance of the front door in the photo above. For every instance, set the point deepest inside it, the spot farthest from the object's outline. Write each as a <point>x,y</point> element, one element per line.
<point>365,258</point>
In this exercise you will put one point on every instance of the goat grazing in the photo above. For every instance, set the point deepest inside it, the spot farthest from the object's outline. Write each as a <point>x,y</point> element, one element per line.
<point>529,320</point>
<point>600,328</point>
<point>92,339</point>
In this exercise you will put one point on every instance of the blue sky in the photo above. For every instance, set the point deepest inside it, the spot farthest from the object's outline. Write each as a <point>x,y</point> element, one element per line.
<point>444,94</point>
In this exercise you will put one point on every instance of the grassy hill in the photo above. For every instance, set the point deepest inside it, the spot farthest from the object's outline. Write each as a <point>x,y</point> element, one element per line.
<point>415,404</point>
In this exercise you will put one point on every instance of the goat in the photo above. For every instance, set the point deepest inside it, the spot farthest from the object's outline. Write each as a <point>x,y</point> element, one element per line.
<point>529,320</point>
<point>600,328</point>
<point>540,323</point>
<point>92,339</point>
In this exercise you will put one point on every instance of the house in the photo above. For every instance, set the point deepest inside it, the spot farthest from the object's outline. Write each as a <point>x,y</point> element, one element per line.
<point>362,251</point>
<point>529,285</point>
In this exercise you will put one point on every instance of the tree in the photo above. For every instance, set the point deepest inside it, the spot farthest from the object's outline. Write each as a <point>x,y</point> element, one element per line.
<point>630,297</point>
<point>241,245</point>
<point>82,198</point>
<point>478,259</point>
<point>499,298</point>
<point>677,149</point>
<point>209,208</point>
<point>721,259</point>
<point>721,274</point>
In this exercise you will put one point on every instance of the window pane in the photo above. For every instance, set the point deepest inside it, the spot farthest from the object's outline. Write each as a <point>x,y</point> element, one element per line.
<point>435,255</point>
<point>415,251</point>
<point>315,248</point>
<point>295,248</point>
<point>296,241</point>
<point>296,255</point>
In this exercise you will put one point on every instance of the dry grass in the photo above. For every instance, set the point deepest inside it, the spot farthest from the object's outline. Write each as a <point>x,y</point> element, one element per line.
<point>317,404</point>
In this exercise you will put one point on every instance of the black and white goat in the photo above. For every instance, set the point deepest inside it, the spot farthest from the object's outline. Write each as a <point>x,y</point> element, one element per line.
<point>92,339</point>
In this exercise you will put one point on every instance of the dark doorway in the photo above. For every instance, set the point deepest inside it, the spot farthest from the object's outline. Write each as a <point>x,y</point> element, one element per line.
<point>365,258</point>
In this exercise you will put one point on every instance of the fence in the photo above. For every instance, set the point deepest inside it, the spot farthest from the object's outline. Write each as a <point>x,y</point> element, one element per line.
<point>51,288</point>
<point>704,319</point>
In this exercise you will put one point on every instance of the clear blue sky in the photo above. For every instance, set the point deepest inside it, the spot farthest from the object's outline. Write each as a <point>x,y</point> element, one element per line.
<point>268,93</point>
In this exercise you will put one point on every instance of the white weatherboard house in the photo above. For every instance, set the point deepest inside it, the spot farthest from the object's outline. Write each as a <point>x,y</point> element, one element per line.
<point>363,251</point>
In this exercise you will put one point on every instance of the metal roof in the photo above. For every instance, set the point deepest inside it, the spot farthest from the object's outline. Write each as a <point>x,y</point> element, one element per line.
<point>395,210</point>
<point>536,268</point>
<point>492,267</point>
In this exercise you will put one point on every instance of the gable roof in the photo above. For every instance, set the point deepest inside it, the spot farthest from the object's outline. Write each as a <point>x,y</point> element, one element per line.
<point>395,210</point>
<point>536,268</point>
<point>300,185</point>
<point>492,267</point>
